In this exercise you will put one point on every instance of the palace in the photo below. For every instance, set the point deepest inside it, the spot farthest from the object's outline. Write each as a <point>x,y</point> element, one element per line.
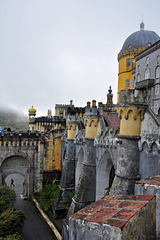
<point>99,151</point>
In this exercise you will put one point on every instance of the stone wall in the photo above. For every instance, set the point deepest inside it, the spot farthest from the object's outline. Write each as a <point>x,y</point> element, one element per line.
<point>116,218</point>
<point>151,186</point>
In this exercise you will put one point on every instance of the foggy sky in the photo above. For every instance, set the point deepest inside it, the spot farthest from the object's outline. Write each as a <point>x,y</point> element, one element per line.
<point>52,51</point>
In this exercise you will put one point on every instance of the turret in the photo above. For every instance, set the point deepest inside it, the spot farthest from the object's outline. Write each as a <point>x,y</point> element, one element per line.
<point>131,113</point>
<point>91,120</point>
<point>71,127</point>
<point>32,114</point>
<point>133,45</point>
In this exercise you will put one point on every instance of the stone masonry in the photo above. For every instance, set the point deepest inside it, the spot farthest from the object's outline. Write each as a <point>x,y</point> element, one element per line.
<point>116,217</point>
<point>151,186</point>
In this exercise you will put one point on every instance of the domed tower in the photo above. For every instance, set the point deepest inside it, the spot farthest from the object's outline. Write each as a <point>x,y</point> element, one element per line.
<point>32,114</point>
<point>134,44</point>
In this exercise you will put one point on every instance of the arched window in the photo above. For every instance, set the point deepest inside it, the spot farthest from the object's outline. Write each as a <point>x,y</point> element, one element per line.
<point>138,77</point>
<point>147,74</point>
<point>156,107</point>
<point>158,72</point>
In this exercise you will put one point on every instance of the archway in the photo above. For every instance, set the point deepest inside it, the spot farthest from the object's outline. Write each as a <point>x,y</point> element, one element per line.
<point>104,175</point>
<point>19,183</point>
<point>16,168</point>
<point>79,165</point>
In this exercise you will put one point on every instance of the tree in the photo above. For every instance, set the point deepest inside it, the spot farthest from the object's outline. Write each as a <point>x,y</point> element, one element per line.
<point>46,196</point>
<point>11,222</point>
<point>7,198</point>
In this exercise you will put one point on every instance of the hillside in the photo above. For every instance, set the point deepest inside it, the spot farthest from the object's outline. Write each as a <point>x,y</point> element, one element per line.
<point>14,119</point>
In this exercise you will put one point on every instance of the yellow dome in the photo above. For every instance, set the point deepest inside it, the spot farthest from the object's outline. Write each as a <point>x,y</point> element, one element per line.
<point>32,110</point>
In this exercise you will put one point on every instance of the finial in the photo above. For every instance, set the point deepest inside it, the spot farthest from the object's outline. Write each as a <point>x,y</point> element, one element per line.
<point>110,90</point>
<point>142,26</point>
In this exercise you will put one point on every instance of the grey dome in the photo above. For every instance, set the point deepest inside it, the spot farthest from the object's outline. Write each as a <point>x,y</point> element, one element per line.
<point>140,39</point>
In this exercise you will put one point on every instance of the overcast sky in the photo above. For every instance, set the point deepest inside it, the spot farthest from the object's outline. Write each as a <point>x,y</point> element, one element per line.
<point>52,51</point>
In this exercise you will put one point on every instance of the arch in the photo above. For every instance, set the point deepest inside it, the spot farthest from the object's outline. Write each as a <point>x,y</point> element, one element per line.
<point>157,73</point>
<point>130,113</point>
<point>144,146</point>
<point>121,112</point>
<point>20,183</point>
<point>79,165</point>
<point>154,148</point>
<point>156,107</point>
<point>138,77</point>
<point>92,123</point>
<point>17,153</point>
<point>15,163</point>
<point>147,74</point>
<point>104,175</point>
<point>17,167</point>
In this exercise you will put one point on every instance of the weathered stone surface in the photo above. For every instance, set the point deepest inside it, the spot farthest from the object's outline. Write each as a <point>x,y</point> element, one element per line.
<point>115,217</point>
<point>151,186</point>
<point>22,154</point>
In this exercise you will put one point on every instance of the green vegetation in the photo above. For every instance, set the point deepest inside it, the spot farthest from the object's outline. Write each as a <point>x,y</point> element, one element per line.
<point>68,200</point>
<point>18,121</point>
<point>15,236</point>
<point>7,198</point>
<point>46,196</point>
<point>11,221</point>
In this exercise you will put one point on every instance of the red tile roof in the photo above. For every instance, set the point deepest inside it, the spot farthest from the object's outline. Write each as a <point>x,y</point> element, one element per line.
<point>113,119</point>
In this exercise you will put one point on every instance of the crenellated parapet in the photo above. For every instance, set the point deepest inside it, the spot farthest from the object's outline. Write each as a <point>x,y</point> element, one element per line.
<point>80,137</point>
<point>129,97</point>
<point>108,138</point>
<point>21,138</point>
<point>148,143</point>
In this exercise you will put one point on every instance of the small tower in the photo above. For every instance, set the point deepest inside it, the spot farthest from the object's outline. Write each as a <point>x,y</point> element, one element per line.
<point>131,114</point>
<point>133,45</point>
<point>91,120</point>
<point>110,97</point>
<point>32,114</point>
<point>86,189</point>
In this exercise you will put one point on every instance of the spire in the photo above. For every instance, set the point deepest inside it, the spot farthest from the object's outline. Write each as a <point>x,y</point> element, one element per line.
<point>142,26</point>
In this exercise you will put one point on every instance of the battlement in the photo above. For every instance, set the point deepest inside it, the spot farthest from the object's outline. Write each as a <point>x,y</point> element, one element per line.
<point>20,138</point>
<point>75,110</point>
<point>44,119</point>
<point>127,52</point>
<point>91,111</point>
<point>128,97</point>
<point>72,118</point>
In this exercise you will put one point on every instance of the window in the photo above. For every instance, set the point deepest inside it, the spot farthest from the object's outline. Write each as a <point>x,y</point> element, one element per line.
<point>147,74</point>
<point>156,107</point>
<point>158,72</point>
<point>156,89</point>
<point>158,59</point>
<point>138,77</point>
<point>147,60</point>
<point>127,83</point>
<point>128,62</point>
<point>133,82</point>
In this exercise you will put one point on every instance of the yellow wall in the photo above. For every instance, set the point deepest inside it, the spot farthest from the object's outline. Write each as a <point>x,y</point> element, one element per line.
<point>52,151</point>
<point>125,72</point>
<point>91,127</point>
<point>71,131</point>
<point>130,124</point>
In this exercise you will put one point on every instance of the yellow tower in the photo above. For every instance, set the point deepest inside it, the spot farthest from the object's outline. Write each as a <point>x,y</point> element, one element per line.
<point>32,114</point>
<point>134,44</point>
